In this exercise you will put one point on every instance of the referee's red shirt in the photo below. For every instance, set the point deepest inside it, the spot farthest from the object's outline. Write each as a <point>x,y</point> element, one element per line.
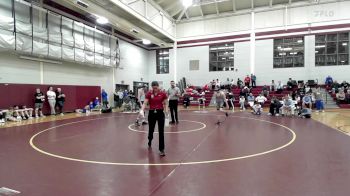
<point>155,100</point>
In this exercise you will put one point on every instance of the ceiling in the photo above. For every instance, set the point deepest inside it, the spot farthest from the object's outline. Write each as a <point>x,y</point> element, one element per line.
<point>202,8</point>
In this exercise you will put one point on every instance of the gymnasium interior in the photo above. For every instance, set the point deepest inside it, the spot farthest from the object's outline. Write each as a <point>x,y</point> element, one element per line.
<point>261,88</point>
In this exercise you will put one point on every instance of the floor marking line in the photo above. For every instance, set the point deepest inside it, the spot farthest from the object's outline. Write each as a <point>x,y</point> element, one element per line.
<point>177,132</point>
<point>31,142</point>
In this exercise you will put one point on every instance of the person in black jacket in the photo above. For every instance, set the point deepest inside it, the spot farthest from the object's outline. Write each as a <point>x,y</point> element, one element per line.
<point>60,99</point>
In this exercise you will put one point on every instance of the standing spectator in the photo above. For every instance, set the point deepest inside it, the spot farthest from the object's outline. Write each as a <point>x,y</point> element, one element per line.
<point>121,96</point>
<point>319,100</point>
<point>253,77</point>
<point>335,87</point>
<point>174,95</point>
<point>116,98</point>
<point>242,103</point>
<point>247,81</point>
<point>251,100</point>
<point>273,86</point>
<point>329,81</point>
<point>218,84</point>
<point>60,99</point>
<point>51,97</point>
<point>39,100</point>
<point>141,96</point>
<point>279,87</point>
<point>239,83</point>
<point>212,83</point>
<point>104,97</point>
<point>261,99</point>
<point>307,101</point>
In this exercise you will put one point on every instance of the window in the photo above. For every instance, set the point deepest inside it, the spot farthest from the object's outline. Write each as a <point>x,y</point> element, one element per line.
<point>162,61</point>
<point>332,49</point>
<point>288,52</point>
<point>221,57</point>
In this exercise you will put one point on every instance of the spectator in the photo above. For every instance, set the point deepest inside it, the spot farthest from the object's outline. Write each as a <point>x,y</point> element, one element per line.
<point>96,103</point>
<point>121,96</point>
<point>294,94</point>
<point>273,86</point>
<point>212,83</point>
<point>253,77</point>
<point>12,115</point>
<point>242,103</point>
<point>329,81</point>
<point>347,97</point>
<point>279,87</point>
<point>27,113</point>
<point>247,81</point>
<point>290,84</point>
<point>60,99</point>
<point>275,107</point>
<point>230,101</point>
<point>39,101</point>
<point>218,84</point>
<point>305,113</point>
<point>335,87</point>
<point>251,100</point>
<point>287,105</point>
<point>2,117</point>
<point>257,108</point>
<point>307,101</point>
<point>186,100</point>
<point>265,91</point>
<point>239,83</point>
<point>232,83</point>
<point>340,96</point>
<point>245,91</point>
<point>308,89</point>
<point>104,97</point>
<point>319,100</point>
<point>344,85</point>
<point>116,98</point>
<point>51,97</point>
<point>261,99</point>
<point>220,99</point>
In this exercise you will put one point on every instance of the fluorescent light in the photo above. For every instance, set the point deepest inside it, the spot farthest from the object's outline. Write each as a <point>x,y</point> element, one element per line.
<point>101,20</point>
<point>300,41</point>
<point>39,59</point>
<point>345,44</point>
<point>320,46</point>
<point>146,41</point>
<point>187,3</point>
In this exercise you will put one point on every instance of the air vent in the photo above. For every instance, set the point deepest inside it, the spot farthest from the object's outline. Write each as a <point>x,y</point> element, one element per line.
<point>134,31</point>
<point>82,4</point>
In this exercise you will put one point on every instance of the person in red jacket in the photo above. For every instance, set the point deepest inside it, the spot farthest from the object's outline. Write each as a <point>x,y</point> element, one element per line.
<point>247,80</point>
<point>158,105</point>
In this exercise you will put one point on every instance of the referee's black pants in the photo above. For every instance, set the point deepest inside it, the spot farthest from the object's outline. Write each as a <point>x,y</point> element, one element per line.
<point>173,110</point>
<point>153,117</point>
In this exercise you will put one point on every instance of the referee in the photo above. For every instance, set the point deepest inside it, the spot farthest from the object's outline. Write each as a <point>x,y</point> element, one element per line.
<point>157,101</point>
<point>174,94</point>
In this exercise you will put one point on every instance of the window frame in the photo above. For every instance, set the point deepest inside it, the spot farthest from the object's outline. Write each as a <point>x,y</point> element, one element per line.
<point>225,51</point>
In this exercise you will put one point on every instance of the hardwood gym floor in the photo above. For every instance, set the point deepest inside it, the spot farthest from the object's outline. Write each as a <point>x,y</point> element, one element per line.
<point>246,155</point>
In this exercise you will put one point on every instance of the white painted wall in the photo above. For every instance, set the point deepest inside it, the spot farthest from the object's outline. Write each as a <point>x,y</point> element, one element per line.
<point>133,59</point>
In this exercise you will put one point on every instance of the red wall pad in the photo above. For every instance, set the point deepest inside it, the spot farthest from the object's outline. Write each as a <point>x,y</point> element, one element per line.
<point>23,94</point>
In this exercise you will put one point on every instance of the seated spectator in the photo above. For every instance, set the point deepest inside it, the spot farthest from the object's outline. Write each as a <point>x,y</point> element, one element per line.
<point>218,84</point>
<point>275,107</point>
<point>301,85</point>
<point>288,106</point>
<point>242,103</point>
<point>201,101</point>
<point>279,87</point>
<point>347,95</point>
<point>27,112</point>
<point>273,86</point>
<point>293,94</point>
<point>318,100</point>
<point>290,84</point>
<point>305,113</point>
<point>96,103</point>
<point>307,101</point>
<point>307,89</point>
<point>251,100</point>
<point>186,100</point>
<point>344,84</point>
<point>257,108</point>
<point>329,81</point>
<point>335,87</point>
<point>341,96</point>
<point>265,91</point>
<point>12,115</point>
<point>212,84</point>
<point>2,116</point>
<point>230,101</point>
<point>245,91</point>
<point>261,99</point>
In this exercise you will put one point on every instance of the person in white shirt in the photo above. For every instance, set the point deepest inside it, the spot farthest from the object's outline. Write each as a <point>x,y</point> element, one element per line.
<point>51,97</point>
<point>257,109</point>
<point>261,99</point>
<point>242,102</point>
<point>279,87</point>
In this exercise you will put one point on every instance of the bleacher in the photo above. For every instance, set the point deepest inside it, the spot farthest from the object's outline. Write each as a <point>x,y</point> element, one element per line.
<point>194,99</point>
<point>343,105</point>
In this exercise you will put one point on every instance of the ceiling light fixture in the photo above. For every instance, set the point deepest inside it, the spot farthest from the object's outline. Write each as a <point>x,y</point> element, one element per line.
<point>101,20</point>
<point>146,41</point>
<point>187,3</point>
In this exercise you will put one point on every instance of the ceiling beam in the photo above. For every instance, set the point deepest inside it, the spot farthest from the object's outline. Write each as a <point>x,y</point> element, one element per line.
<point>234,5</point>
<point>271,3</point>
<point>160,1</point>
<point>132,2</point>
<point>186,14</point>
<point>252,2</point>
<point>182,13</point>
<point>171,6</point>
<point>176,12</point>
<point>290,2</point>
<point>217,8</point>
<point>200,9</point>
